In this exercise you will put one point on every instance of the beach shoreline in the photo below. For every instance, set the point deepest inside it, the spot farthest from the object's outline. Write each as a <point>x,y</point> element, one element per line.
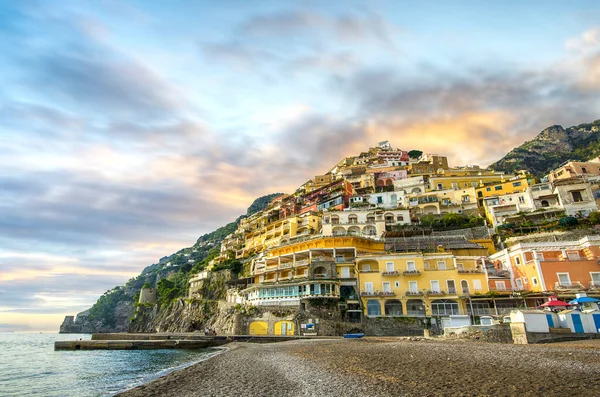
<point>386,367</point>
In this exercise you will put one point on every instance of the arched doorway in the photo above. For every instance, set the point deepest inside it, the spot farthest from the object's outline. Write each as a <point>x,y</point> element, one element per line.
<point>393,307</point>
<point>415,308</point>
<point>373,307</point>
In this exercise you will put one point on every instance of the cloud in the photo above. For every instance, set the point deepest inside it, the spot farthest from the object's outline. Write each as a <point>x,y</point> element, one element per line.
<point>587,41</point>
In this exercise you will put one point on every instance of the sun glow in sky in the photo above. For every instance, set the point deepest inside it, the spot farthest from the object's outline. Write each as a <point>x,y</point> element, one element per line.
<point>128,129</point>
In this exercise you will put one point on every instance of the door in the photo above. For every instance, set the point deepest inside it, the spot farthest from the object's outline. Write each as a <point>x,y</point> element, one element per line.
<point>389,266</point>
<point>410,266</point>
<point>369,287</point>
<point>577,323</point>
<point>464,284</point>
<point>596,322</point>
<point>283,328</point>
<point>550,320</point>
<point>435,286</point>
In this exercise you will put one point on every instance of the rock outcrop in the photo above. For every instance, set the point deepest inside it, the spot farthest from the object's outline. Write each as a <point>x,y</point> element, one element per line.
<point>551,147</point>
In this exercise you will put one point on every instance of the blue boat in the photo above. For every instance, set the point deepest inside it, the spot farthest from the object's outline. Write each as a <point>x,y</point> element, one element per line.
<point>353,336</point>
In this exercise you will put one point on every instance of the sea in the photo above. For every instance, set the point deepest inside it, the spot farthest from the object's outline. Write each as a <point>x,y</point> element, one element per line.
<point>29,366</point>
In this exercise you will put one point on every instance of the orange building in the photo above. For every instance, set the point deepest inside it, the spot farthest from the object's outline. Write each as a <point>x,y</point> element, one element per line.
<point>564,268</point>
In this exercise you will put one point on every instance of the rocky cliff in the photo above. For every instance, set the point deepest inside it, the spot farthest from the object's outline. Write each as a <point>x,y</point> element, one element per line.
<point>551,147</point>
<point>115,308</point>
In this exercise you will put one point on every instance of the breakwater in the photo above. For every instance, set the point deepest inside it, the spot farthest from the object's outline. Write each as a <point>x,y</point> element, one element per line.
<point>144,341</point>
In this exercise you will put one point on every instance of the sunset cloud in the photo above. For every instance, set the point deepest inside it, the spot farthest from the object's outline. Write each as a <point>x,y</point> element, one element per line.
<point>127,131</point>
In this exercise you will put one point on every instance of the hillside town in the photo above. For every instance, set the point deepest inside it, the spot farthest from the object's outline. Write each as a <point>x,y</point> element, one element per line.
<point>395,233</point>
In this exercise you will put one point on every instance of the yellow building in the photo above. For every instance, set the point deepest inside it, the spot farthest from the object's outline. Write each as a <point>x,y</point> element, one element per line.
<point>322,267</point>
<point>260,234</point>
<point>516,184</point>
<point>460,179</point>
<point>421,284</point>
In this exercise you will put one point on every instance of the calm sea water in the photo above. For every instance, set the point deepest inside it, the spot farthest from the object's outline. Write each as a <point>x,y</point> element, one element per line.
<point>29,366</point>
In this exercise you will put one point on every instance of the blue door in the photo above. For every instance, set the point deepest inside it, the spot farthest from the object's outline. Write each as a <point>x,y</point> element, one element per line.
<point>597,322</point>
<point>577,323</point>
<point>550,320</point>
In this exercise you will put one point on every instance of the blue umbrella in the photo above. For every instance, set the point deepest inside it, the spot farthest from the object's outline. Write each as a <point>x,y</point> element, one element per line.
<point>584,299</point>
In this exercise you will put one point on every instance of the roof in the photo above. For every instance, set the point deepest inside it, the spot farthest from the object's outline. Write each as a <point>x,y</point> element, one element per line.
<point>395,242</point>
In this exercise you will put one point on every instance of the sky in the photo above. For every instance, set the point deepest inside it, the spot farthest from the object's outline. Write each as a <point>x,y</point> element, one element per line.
<point>130,128</point>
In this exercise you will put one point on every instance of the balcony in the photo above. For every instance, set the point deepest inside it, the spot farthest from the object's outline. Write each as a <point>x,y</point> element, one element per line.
<point>385,293</point>
<point>259,271</point>
<point>436,293</point>
<point>285,265</point>
<point>301,262</point>
<point>468,271</point>
<point>414,293</point>
<point>322,259</point>
<point>368,293</point>
<point>594,285</point>
<point>390,273</point>
<point>344,260</point>
<point>411,272</point>
<point>573,286</point>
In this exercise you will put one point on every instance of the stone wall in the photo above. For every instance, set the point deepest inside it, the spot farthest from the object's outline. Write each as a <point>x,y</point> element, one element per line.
<point>499,333</point>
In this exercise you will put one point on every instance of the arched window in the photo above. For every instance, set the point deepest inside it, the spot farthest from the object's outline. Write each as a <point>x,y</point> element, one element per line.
<point>400,218</point>
<point>373,307</point>
<point>354,231</point>
<point>545,203</point>
<point>415,307</point>
<point>369,230</point>
<point>464,285</point>
<point>352,219</point>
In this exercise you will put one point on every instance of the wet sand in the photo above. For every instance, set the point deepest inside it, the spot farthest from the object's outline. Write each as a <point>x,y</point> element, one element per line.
<point>388,367</point>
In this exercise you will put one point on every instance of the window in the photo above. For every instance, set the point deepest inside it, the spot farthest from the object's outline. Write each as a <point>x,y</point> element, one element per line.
<point>400,218</point>
<point>379,200</point>
<point>369,287</point>
<point>464,285</point>
<point>389,266</point>
<point>440,186</point>
<point>519,283</point>
<point>583,170</point>
<point>441,265</point>
<point>435,286</point>
<point>573,256</point>
<point>501,285</point>
<point>451,286</point>
<point>460,266</point>
<point>410,266</point>
<point>564,279</point>
<point>412,286</point>
<point>521,199</point>
<point>595,279</point>
<point>397,284</point>
<point>525,281</point>
<point>345,272</point>
<point>577,196</point>
<point>366,268</point>
<point>444,307</point>
<point>386,286</point>
<point>534,281</point>
<point>477,285</point>
<point>517,260</point>
<point>488,189</point>
<point>516,184</point>
<point>499,187</point>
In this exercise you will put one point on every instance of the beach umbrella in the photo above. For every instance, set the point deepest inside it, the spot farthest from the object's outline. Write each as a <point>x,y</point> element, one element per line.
<point>555,303</point>
<point>584,299</point>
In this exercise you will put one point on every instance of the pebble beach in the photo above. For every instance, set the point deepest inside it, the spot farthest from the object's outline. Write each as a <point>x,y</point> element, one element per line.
<point>388,367</point>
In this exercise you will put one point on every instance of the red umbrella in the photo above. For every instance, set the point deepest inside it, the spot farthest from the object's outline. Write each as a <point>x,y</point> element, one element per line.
<point>554,302</point>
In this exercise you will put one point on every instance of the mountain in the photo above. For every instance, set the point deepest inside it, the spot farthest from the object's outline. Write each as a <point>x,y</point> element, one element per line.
<point>113,310</point>
<point>551,147</point>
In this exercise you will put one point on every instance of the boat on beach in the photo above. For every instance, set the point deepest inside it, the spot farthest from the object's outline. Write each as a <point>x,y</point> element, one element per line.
<point>353,336</point>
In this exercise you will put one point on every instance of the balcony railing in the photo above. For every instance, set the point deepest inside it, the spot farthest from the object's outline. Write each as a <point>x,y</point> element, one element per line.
<point>465,271</point>
<point>452,291</point>
<point>344,260</point>
<point>285,265</point>
<point>367,293</point>
<point>322,259</point>
<point>436,292</point>
<point>301,262</point>
<point>414,293</point>
<point>411,272</point>
<point>574,285</point>
<point>594,285</point>
<point>377,293</point>
<point>391,273</point>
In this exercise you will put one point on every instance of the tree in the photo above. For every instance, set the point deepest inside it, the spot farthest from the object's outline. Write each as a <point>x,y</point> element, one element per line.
<point>415,154</point>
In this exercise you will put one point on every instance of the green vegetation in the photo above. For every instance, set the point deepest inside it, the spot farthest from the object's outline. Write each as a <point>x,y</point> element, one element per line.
<point>451,220</point>
<point>104,309</point>
<point>415,154</point>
